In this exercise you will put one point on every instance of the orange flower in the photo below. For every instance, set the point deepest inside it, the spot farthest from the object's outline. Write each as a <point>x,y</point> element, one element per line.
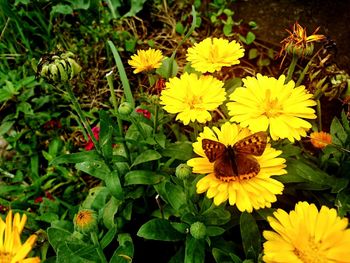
<point>320,139</point>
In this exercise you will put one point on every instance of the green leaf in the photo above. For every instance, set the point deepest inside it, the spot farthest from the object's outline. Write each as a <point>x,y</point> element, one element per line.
<point>214,231</point>
<point>250,236</point>
<point>105,139</point>
<point>159,229</point>
<point>97,169</point>
<point>96,198</point>
<point>136,6</point>
<point>308,172</point>
<point>57,236</point>
<point>109,212</point>
<point>194,252</point>
<point>112,181</point>
<point>163,70</point>
<point>343,202</point>
<point>5,127</point>
<point>61,9</point>
<point>253,53</point>
<point>79,157</point>
<point>179,28</point>
<point>142,177</point>
<point>179,150</point>
<point>176,196</point>
<point>221,256</point>
<point>216,216</point>
<point>124,253</point>
<point>339,135</point>
<point>108,237</point>
<point>146,156</point>
<point>250,38</point>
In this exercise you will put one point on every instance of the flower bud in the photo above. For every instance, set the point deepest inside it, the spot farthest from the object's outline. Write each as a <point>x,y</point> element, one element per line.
<point>85,221</point>
<point>183,171</point>
<point>56,69</point>
<point>125,108</point>
<point>198,230</point>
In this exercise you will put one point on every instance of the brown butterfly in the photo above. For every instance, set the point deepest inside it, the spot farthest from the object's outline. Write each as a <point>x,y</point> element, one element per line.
<point>236,160</point>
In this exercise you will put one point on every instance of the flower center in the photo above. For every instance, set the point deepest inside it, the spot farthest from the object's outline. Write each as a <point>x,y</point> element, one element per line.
<point>194,102</point>
<point>310,252</point>
<point>273,107</point>
<point>5,257</point>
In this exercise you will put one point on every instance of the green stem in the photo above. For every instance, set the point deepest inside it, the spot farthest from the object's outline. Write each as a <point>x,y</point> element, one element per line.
<point>155,123</point>
<point>319,115</point>
<point>82,117</point>
<point>302,75</point>
<point>115,105</point>
<point>100,253</point>
<point>291,68</point>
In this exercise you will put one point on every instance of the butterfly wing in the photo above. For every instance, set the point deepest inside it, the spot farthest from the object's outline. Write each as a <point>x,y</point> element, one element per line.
<point>254,144</point>
<point>247,166</point>
<point>225,167</point>
<point>213,149</point>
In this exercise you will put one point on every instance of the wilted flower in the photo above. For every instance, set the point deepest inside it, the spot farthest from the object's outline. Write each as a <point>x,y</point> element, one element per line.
<point>212,54</point>
<point>307,235</point>
<point>298,43</point>
<point>192,97</point>
<point>268,103</point>
<point>146,60</point>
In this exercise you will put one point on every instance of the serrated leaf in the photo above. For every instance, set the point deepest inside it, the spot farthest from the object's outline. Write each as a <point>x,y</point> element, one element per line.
<point>159,229</point>
<point>145,177</point>
<point>146,156</point>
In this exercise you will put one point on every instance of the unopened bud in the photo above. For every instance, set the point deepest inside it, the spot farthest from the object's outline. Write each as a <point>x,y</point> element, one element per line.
<point>125,108</point>
<point>183,171</point>
<point>198,230</point>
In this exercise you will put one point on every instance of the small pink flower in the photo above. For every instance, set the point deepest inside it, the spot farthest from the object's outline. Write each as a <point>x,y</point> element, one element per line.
<point>145,113</point>
<point>38,200</point>
<point>90,145</point>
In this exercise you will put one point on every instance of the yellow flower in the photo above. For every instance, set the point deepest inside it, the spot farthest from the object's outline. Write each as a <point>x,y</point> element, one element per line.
<point>146,60</point>
<point>212,54</point>
<point>246,192</point>
<point>192,97</point>
<point>307,235</point>
<point>320,139</point>
<point>265,102</point>
<point>11,248</point>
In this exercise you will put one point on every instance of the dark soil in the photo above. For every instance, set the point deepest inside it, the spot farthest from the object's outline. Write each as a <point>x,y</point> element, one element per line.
<point>273,17</point>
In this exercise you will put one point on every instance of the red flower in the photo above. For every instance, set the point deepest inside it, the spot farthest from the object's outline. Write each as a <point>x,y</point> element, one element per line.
<point>145,113</point>
<point>90,145</point>
<point>38,199</point>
